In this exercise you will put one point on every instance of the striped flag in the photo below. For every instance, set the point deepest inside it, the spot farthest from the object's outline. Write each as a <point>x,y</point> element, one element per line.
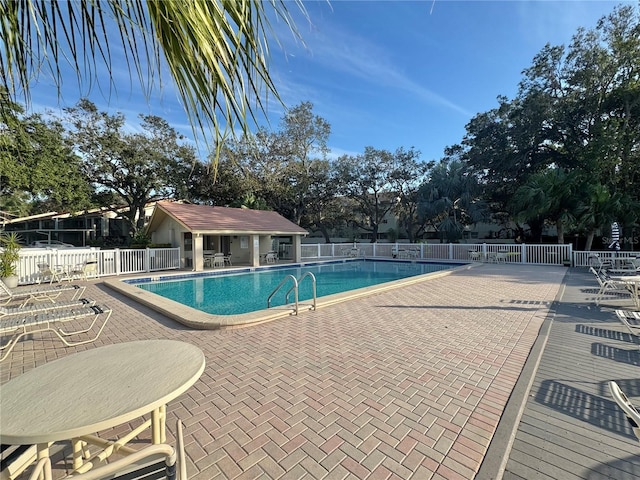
<point>615,236</point>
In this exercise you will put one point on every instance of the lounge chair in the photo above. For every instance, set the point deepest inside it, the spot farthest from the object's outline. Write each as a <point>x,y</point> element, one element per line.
<point>631,320</point>
<point>43,307</point>
<point>14,459</point>
<point>38,293</point>
<point>598,264</point>
<point>20,325</point>
<point>155,462</point>
<point>630,411</point>
<point>609,285</point>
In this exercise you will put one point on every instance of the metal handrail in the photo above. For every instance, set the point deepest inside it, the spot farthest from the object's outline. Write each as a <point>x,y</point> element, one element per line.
<point>296,283</point>
<point>275,290</point>
<point>313,286</point>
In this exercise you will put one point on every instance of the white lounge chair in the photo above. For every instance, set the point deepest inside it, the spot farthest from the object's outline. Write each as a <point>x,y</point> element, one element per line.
<point>17,326</point>
<point>630,411</point>
<point>43,307</point>
<point>609,285</point>
<point>598,264</point>
<point>155,462</point>
<point>631,320</point>
<point>15,459</point>
<point>38,293</point>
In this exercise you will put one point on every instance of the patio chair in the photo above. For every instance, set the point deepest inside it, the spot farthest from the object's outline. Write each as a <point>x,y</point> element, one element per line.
<point>85,270</point>
<point>271,257</point>
<point>475,255</point>
<point>42,307</point>
<point>45,272</point>
<point>218,260</point>
<point>38,293</point>
<point>155,462</point>
<point>18,326</point>
<point>630,411</point>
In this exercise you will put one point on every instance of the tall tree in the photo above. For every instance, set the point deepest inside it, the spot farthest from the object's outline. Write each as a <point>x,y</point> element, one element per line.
<point>303,138</point>
<point>551,195</point>
<point>37,169</point>
<point>366,179</point>
<point>139,168</point>
<point>408,175</point>
<point>451,199</point>
<point>216,51</point>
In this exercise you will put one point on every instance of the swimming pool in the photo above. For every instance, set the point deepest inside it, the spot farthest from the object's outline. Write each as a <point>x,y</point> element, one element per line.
<point>188,294</point>
<point>233,294</point>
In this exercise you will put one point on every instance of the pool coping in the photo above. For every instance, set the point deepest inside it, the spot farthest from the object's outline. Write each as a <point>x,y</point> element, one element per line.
<point>200,320</point>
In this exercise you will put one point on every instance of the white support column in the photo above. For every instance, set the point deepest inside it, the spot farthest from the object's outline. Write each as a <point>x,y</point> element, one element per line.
<point>198,253</point>
<point>297,248</point>
<point>254,250</point>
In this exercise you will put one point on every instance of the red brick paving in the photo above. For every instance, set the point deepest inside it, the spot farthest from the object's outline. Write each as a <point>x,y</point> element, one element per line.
<point>408,383</point>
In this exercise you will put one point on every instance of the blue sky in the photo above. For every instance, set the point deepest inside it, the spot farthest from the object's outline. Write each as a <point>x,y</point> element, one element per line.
<point>385,74</point>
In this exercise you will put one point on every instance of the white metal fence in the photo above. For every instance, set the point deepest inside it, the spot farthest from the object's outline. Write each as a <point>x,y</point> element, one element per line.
<point>538,254</point>
<point>110,262</point>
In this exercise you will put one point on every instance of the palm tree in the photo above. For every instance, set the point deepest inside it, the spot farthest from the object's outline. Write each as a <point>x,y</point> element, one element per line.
<point>216,50</point>
<point>597,208</point>
<point>550,194</point>
<point>451,199</point>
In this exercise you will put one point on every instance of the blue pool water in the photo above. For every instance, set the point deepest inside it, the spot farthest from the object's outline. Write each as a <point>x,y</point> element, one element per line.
<point>231,294</point>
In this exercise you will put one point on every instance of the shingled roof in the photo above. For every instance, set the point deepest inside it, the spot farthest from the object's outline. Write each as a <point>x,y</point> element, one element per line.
<point>224,220</point>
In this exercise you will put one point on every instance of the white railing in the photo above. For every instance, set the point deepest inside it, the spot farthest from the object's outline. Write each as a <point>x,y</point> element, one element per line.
<point>537,254</point>
<point>548,254</point>
<point>118,261</point>
<point>585,259</point>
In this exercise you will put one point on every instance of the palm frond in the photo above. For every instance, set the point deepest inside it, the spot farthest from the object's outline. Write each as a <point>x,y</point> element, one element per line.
<point>215,50</point>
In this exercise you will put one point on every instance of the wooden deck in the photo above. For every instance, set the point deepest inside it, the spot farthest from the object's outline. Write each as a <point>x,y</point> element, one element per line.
<point>570,427</point>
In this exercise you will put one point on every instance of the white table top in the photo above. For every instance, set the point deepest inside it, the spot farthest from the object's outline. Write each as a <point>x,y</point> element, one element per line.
<point>97,389</point>
<point>626,278</point>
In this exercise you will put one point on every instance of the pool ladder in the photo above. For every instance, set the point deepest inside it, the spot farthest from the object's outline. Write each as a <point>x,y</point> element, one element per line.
<point>294,288</point>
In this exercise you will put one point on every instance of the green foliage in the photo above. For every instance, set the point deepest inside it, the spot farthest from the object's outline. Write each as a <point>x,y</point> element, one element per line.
<point>10,243</point>
<point>38,171</point>
<point>451,199</point>
<point>136,168</point>
<point>140,240</point>
<point>577,111</point>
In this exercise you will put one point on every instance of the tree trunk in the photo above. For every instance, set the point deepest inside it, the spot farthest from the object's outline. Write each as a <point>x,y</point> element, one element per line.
<point>374,233</point>
<point>589,243</point>
<point>560,231</point>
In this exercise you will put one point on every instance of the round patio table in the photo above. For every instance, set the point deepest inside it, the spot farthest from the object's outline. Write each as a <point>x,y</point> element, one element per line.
<point>78,395</point>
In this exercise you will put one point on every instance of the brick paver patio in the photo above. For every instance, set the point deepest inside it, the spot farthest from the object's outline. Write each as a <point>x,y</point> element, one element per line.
<point>408,383</point>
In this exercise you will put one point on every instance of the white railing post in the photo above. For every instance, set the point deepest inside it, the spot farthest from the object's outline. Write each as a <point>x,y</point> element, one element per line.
<point>451,251</point>
<point>116,261</point>
<point>523,253</point>
<point>147,260</point>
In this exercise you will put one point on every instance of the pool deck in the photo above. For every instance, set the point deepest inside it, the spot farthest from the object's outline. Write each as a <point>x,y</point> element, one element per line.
<point>406,383</point>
